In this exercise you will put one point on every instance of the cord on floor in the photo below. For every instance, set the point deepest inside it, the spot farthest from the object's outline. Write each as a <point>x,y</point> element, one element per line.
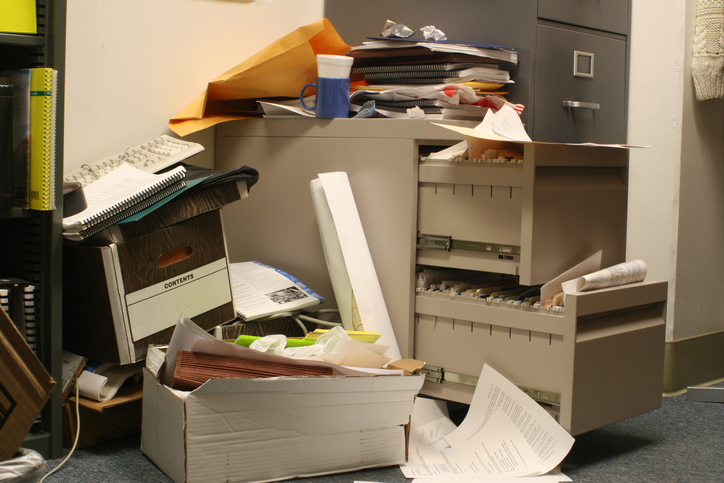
<point>77,434</point>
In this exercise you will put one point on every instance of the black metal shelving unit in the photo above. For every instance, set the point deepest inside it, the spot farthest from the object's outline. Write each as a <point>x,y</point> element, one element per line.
<point>31,241</point>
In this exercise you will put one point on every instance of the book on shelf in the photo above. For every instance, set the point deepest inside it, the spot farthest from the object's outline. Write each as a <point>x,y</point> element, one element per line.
<point>43,101</point>
<point>18,17</point>
<point>19,132</point>
<point>6,145</point>
<point>17,298</point>
<point>118,195</point>
<point>261,291</point>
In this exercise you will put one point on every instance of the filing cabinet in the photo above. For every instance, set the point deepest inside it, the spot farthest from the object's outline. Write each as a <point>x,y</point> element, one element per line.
<point>597,362</point>
<point>607,16</point>
<point>533,220</point>
<point>573,55</point>
<point>562,204</point>
<point>581,86</point>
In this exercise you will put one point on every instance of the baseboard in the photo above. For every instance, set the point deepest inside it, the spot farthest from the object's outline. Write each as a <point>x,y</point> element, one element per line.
<point>696,361</point>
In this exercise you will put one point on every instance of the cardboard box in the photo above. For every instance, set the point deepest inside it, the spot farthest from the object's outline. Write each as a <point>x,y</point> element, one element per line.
<point>124,296</point>
<point>25,387</point>
<point>102,422</point>
<point>270,429</point>
<point>173,212</point>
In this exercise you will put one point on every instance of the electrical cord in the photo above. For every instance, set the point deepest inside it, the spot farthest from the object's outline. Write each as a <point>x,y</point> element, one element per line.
<point>77,434</point>
<point>299,317</point>
<point>319,322</point>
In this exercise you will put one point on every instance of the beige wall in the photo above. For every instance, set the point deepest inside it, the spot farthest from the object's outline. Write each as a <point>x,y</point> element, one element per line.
<point>700,262</point>
<point>133,64</point>
<point>676,212</point>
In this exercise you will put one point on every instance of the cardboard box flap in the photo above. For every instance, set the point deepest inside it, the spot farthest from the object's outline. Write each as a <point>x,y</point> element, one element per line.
<point>155,358</point>
<point>127,393</point>
<point>25,386</point>
<point>380,384</point>
<point>162,427</point>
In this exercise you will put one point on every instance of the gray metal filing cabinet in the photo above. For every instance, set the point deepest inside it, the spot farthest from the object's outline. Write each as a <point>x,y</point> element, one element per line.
<point>597,361</point>
<point>573,54</point>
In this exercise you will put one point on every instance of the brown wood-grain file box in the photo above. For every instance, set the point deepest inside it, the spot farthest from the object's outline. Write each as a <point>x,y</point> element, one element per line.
<point>125,294</point>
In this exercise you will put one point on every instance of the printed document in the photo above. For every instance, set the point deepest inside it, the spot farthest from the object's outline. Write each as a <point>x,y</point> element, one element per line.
<point>261,291</point>
<point>505,434</point>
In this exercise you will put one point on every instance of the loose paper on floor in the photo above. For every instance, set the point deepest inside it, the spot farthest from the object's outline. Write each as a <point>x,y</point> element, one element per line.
<point>505,434</point>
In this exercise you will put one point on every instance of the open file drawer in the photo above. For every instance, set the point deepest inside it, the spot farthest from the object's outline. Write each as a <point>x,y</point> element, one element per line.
<point>535,219</point>
<point>598,361</point>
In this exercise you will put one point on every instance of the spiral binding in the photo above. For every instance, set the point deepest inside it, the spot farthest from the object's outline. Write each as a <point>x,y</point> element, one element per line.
<point>374,69</point>
<point>102,225</point>
<point>169,179</point>
<point>42,195</point>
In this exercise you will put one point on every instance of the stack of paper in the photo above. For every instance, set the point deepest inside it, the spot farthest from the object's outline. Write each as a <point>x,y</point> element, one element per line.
<point>193,369</point>
<point>466,73</point>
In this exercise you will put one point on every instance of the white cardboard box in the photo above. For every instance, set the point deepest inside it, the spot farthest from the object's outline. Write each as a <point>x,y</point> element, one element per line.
<point>270,429</point>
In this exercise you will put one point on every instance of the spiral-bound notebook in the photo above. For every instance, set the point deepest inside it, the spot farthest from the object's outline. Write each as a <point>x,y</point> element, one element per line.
<point>43,99</point>
<point>119,194</point>
<point>124,214</point>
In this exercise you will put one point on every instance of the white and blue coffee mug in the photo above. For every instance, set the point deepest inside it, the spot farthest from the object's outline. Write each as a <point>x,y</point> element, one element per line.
<point>332,97</point>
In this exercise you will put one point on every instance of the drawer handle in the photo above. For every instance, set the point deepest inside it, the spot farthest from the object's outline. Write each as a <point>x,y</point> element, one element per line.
<point>586,105</point>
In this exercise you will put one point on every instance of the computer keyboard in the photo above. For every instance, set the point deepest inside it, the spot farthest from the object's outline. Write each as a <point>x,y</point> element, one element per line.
<point>151,156</point>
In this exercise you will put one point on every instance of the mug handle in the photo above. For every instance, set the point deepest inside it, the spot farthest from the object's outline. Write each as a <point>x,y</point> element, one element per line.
<point>301,97</point>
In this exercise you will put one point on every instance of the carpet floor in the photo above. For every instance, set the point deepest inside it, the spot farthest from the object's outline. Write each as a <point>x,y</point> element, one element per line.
<point>683,441</point>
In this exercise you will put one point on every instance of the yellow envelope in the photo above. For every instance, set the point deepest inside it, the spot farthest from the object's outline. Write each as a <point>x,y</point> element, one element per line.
<point>280,69</point>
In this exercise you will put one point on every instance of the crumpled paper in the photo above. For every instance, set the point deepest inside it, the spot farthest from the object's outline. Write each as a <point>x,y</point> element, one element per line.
<point>429,32</point>
<point>334,346</point>
<point>280,69</point>
<point>394,29</point>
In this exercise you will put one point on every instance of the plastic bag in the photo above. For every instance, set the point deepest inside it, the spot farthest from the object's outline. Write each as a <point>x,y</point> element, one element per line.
<point>26,467</point>
<point>334,346</point>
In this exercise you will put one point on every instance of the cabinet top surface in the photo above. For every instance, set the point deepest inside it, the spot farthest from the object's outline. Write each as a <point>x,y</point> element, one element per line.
<point>359,128</point>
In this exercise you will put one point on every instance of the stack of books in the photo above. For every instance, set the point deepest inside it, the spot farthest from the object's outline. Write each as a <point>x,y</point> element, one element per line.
<point>445,79</point>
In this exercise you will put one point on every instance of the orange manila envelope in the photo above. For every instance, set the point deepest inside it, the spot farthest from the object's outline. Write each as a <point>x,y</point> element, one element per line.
<point>280,69</point>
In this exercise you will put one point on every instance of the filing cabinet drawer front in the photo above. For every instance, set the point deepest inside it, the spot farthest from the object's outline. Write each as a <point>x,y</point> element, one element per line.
<point>529,358</point>
<point>607,15</point>
<point>470,212</point>
<point>597,91</point>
